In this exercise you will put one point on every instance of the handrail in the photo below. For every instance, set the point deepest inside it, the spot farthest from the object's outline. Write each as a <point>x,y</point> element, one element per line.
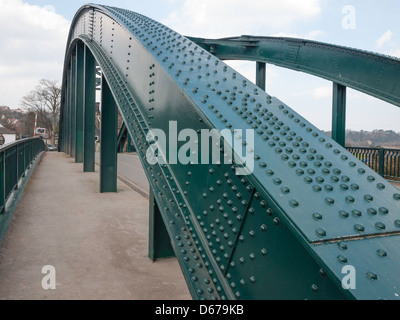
<point>12,144</point>
<point>16,159</point>
<point>384,161</point>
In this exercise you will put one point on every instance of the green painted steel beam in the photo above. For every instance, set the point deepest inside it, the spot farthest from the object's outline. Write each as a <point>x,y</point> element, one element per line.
<point>80,65</point>
<point>371,73</point>
<point>73,103</point>
<point>159,240</point>
<point>130,147</point>
<point>70,109</point>
<point>89,113</point>
<point>122,137</point>
<point>108,140</point>
<point>339,114</point>
<point>233,236</point>
<point>261,75</point>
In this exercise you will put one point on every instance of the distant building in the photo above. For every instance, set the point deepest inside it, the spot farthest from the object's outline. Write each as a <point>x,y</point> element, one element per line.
<point>9,136</point>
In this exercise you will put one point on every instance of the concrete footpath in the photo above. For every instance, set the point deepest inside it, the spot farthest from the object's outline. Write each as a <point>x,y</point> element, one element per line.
<point>96,242</point>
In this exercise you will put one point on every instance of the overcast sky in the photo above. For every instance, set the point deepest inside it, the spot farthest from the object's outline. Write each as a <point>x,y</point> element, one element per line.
<point>33,36</point>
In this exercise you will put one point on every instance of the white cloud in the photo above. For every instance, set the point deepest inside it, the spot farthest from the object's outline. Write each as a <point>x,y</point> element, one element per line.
<point>321,92</point>
<point>33,41</point>
<point>395,52</point>
<point>210,18</point>
<point>384,39</point>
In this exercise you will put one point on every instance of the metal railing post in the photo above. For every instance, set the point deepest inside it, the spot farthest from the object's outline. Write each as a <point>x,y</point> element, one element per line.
<point>381,153</point>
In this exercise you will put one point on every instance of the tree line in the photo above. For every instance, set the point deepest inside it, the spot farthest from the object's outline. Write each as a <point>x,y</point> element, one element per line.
<point>375,138</point>
<point>45,101</point>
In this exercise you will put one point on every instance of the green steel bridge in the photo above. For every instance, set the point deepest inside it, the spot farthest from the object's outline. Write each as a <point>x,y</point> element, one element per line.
<point>293,227</point>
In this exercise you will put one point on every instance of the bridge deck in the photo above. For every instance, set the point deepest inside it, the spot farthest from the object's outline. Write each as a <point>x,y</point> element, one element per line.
<point>96,242</point>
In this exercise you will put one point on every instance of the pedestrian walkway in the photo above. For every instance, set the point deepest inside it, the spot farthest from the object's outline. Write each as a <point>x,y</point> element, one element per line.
<point>96,242</point>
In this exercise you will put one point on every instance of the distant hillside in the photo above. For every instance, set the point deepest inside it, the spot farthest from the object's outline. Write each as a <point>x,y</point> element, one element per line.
<point>376,138</point>
<point>16,120</point>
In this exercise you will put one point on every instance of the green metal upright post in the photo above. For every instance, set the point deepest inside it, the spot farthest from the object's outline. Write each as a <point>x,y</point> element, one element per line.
<point>70,100</point>
<point>261,75</point>
<point>80,65</point>
<point>108,140</point>
<point>339,114</point>
<point>129,147</point>
<point>89,112</point>
<point>159,241</point>
<point>73,105</point>
<point>66,113</point>
<point>381,170</point>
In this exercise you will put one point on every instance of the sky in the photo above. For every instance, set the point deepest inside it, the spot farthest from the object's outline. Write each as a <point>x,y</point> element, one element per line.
<point>33,35</point>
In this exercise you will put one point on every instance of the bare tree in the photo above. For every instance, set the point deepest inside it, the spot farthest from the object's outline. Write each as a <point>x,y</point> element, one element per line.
<point>45,100</point>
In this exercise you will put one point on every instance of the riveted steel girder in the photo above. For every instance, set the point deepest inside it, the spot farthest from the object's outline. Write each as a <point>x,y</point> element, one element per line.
<point>275,233</point>
<point>372,73</point>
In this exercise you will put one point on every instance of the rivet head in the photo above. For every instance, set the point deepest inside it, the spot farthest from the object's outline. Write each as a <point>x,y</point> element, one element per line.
<point>384,210</point>
<point>382,253</point>
<point>285,190</point>
<point>314,288</point>
<point>357,213</point>
<point>321,232</point>
<point>342,246</point>
<point>396,196</point>
<point>372,276</point>
<point>342,259</point>
<point>344,214</point>
<point>350,199</point>
<point>380,226</point>
<point>397,223</point>
<point>294,203</point>
<point>368,198</point>
<point>330,201</point>
<point>380,186</point>
<point>359,228</point>
<point>317,216</point>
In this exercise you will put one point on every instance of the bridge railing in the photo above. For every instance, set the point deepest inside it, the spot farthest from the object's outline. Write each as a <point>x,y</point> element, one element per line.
<point>15,159</point>
<point>384,161</point>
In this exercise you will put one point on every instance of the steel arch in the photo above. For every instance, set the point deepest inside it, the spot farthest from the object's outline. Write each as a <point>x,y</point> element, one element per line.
<point>283,232</point>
